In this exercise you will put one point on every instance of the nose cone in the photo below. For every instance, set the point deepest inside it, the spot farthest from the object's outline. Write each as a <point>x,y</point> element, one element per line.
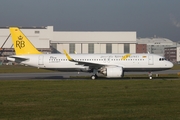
<point>170,64</point>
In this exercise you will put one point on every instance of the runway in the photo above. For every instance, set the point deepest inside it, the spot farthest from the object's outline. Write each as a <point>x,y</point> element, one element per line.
<point>50,75</point>
<point>64,75</point>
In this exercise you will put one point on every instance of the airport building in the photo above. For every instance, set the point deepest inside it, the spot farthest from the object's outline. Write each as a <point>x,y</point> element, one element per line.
<point>172,54</point>
<point>95,42</point>
<point>81,42</point>
<point>141,48</point>
<point>155,45</point>
<point>49,41</point>
<point>162,46</point>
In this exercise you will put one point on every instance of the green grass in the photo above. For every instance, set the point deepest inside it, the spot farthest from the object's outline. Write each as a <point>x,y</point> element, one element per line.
<point>90,100</point>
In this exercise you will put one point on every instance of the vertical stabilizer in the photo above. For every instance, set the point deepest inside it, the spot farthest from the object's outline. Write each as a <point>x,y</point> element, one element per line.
<point>21,43</point>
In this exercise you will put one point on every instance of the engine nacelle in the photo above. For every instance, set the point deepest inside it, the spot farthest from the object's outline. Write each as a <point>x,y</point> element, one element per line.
<point>113,72</point>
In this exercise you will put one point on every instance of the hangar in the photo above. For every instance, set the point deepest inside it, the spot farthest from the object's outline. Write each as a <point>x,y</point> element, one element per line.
<point>49,41</point>
<point>95,42</point>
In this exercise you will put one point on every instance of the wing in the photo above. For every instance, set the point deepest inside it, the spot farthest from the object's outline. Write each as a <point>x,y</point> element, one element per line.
<point>90,64</point>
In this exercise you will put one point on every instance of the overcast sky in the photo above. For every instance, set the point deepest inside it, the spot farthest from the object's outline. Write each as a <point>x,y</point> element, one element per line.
<point>147,17</point>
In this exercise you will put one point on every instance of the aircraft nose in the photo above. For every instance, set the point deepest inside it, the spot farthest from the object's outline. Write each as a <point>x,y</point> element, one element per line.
<point>170,64</point>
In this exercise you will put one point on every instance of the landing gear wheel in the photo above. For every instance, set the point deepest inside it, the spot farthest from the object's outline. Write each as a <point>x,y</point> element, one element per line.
<point>93,77</point>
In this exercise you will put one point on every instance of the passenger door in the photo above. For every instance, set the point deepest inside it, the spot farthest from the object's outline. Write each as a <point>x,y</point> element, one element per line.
<point>150,60</point>
<point>41,60</point>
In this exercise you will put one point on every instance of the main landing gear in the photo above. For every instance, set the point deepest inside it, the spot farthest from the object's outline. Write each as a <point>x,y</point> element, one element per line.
<point>94,76</point>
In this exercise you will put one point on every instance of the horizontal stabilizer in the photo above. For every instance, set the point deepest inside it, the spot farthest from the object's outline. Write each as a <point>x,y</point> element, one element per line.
<point>17,59</point>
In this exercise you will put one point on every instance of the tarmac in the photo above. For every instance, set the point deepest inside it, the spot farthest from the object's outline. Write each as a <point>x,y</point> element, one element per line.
<point>65,75</point>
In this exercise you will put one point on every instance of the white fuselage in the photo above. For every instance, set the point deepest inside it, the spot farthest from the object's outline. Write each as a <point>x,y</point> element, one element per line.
<point>135,62</point>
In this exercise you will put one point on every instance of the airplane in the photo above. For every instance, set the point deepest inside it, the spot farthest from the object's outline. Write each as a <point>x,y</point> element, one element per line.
<point>110,65</point>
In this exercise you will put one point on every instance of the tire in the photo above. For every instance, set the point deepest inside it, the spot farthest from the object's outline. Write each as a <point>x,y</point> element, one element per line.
<point>93,77</point>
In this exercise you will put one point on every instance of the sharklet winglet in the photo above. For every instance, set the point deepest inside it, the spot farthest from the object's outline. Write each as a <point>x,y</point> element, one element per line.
<point>68,56</point>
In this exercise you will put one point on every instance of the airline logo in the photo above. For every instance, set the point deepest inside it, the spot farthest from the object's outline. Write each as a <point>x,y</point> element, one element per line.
<point>20,43</point>
<point>125,56</point>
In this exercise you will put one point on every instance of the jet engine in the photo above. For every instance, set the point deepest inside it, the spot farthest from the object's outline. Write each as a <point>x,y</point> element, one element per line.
<point>112,72</point>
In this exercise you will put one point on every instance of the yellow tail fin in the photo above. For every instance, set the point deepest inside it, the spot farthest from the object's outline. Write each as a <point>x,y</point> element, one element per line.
<point>21,43</point>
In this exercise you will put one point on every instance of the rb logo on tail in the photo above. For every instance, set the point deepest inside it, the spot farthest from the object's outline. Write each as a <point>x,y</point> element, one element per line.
<point>20,43</point>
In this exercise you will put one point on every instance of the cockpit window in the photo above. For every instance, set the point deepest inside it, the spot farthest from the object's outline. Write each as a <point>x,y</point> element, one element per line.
<point>162,59</point>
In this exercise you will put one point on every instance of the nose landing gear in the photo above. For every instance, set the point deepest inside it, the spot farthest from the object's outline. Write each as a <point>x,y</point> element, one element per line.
<point>150,75</point>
